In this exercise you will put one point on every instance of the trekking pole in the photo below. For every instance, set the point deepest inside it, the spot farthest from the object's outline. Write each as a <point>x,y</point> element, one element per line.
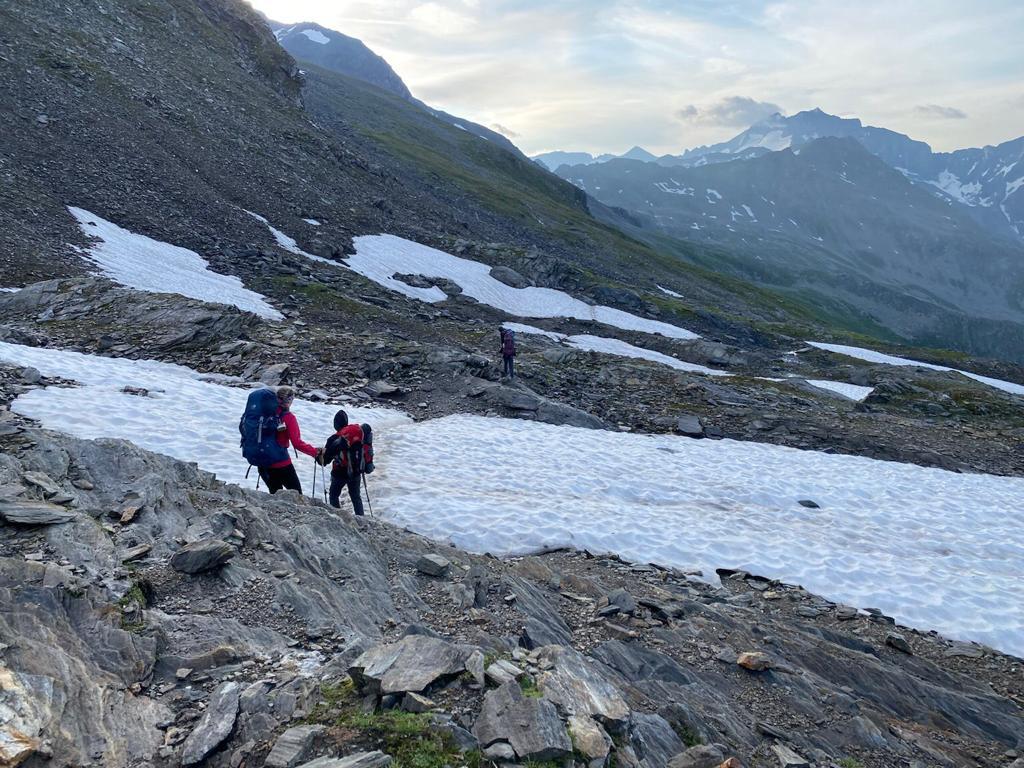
<point>323,482</point>
<point>312,494</point>
<point>367,489</point>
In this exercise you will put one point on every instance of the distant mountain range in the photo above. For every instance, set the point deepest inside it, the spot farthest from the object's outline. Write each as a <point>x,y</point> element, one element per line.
<point>927,244</point>
<point>988,180</point>
<point>337,52</point>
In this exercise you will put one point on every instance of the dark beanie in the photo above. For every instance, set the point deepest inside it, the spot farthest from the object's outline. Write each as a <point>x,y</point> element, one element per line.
<point>340,420</point>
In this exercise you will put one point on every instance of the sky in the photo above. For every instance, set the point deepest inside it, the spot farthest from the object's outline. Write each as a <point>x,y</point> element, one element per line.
<point>605,75</point>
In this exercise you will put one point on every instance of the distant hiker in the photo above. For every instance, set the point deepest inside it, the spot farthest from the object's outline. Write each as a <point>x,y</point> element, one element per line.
<point>268,427</point>
<point>508,352</point>
<point>350,451</point>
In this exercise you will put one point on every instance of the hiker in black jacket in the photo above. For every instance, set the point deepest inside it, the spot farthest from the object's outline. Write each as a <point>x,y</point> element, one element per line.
<point>344,450</point>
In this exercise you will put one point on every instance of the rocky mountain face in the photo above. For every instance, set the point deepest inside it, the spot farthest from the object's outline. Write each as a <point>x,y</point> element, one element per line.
<point>339,53</point>
<point>327,48</point>
<point>830,218</point>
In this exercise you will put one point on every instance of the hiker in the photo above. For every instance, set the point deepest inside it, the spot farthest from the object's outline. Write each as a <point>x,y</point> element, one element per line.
<point>268,427</point>
<point>508,352</point>
<point>350,451</point>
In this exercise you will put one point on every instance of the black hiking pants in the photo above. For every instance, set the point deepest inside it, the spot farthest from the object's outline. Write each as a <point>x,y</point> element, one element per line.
<point>510,368</point>
<point>339,481</point>
<point>276,478</point>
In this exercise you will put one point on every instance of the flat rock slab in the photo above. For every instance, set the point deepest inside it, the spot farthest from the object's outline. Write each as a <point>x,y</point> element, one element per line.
<point>577,686</point>
<point>788,758</point>
<point>433,565</point>
<point>215,725</point>
<point>359,760</point>
<point>700,756</point>
<point>27,512</point>
<point>202,556</point>
<point>411,664</point>
<point>531,726</point>
<point>293,746</point>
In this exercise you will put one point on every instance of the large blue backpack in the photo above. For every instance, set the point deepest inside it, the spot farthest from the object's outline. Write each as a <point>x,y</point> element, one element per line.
<point>258,427</point>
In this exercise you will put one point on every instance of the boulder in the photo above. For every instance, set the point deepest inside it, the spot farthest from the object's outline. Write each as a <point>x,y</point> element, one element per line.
<point>701,756</point>
<point>788,758</point>
<point>590,740</point>
<point>689,424</point>
<point>577,686</point>
<point>509,277</point>
<point>293,746</point>
<point>203,555</point>
<point>653,739</point>
<point>27,512</point>
<point>755,661</point>
<point>358,760</point>
<point>530,725</point>
<point>411,664</point>
<point>274,374</point>
<point>215,725</point>
<point>433,565</point>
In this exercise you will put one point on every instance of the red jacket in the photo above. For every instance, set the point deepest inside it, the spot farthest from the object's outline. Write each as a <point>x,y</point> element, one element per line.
<point>291,434</point>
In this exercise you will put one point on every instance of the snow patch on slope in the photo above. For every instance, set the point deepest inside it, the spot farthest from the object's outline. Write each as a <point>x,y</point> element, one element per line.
<point>316,36</point>
<point>381,257</point>
<point>145,264</point>
<point>872,356</point>
<point>607,346</point>
<point>288,243</point>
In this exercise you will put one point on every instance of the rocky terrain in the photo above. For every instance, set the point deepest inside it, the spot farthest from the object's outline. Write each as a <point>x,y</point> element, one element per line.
<point>151,615</point>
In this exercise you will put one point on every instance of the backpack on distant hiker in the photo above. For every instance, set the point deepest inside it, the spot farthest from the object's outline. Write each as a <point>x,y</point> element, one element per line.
<point>508,343</point>
<point>356,458</point>
<point>258,428</point>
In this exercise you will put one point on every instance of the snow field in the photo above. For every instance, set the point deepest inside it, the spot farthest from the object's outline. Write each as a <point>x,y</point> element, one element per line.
<point>851,391</point>
<point>934,549</point>
<point>140,262</point>
<point>381,257</point>
<point>871,356</point>
<point>186,415</point>
<point>608,346</point>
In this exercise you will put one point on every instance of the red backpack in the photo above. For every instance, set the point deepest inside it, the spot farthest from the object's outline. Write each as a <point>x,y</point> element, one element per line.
<point>508,343</point>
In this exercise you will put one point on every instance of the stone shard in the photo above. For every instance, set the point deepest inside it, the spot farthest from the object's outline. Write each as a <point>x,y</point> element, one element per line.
<point>202,556</point>
<point>577,686</point>
<point>358,760</point>
<point>532,726</point>
<point>503,671</point>
<point>215,725</point>
<point>411,664</point>
<point>899,642</point>
<point>689,424</point>
<point>293,746</point>
<point>27,512</point>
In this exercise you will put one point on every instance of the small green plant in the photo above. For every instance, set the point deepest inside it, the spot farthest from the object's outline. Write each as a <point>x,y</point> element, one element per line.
<point>529,688</point>
<point>687,735</point>
<point>850,762</point>
<point>137,596</point>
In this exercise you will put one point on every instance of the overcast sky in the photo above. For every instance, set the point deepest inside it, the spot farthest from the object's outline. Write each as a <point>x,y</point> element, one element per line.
<point>603,75</point>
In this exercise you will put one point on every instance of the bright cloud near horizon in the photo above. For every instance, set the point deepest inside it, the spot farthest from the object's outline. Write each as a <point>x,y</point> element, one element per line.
<point>604,75</point>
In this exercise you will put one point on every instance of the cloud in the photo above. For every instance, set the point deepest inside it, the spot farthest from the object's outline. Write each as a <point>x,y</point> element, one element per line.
<point>507,132</point>
<point>937,111</point>
<point>738,111</point>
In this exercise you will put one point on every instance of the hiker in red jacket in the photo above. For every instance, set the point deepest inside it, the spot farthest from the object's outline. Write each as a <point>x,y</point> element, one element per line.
<point>348,455</point>
<point>282,474</point>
